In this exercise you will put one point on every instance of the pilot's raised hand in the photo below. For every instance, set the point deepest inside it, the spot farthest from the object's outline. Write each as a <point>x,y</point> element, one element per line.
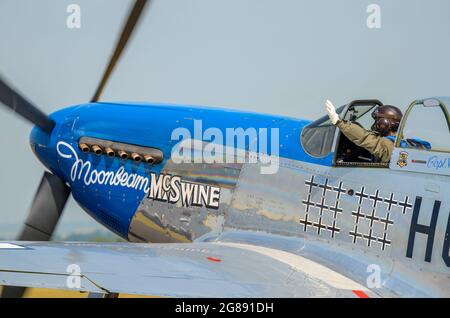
<point>331,110</point>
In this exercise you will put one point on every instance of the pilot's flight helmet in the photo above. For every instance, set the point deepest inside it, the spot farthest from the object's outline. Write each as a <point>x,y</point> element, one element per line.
<point>387,119</point>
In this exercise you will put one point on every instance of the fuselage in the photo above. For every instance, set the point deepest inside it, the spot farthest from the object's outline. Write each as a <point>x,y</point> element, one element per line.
<point>235,200</point>
<point>145,125</point>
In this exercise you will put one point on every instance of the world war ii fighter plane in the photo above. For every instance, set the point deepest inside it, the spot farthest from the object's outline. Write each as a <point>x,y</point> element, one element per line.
<point>311,215</point>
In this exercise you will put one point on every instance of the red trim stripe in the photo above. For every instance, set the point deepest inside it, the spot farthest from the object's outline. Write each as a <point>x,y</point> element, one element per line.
<point>213,259</point>
<point>360,293</point>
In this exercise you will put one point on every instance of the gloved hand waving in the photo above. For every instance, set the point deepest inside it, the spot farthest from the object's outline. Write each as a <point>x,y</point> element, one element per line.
<point>331,110</point>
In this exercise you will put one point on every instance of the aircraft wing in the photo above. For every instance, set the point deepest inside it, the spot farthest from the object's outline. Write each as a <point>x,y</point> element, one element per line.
<point>179,270</point>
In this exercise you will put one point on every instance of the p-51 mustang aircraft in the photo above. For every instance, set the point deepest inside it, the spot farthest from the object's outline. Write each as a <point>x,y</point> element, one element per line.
<point>322,220</point>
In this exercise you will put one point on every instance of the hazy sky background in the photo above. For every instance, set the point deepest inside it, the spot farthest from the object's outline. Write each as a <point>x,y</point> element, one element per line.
<point>283,57</point>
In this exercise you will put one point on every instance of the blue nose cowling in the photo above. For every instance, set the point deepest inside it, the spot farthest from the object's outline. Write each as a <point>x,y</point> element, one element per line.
<point>41,144</point>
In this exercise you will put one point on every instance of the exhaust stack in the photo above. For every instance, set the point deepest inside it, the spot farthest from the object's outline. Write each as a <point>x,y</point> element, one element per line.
<point>97,150</point>
<point>84,148</point>
<point>109,152</point>
<point>136,157</point>
<point>149,159</point>
<point>123,155</point>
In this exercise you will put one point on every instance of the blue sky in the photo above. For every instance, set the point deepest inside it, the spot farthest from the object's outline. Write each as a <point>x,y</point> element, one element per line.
<point>284,57</point>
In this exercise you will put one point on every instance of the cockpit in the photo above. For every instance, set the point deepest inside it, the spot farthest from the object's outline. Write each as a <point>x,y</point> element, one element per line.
<point>425,126</point>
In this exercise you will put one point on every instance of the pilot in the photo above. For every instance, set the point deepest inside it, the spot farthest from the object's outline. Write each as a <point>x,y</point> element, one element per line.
<point>380,140</point>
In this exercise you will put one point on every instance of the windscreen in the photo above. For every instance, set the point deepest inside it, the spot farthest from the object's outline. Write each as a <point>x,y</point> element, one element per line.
<point>317,137</point>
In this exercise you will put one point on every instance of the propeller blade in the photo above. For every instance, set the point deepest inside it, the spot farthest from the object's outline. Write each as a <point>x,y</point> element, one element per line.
<point>128,29</point>
<point>48,204</point>
<point>24,108</point>
<point>47,207</point>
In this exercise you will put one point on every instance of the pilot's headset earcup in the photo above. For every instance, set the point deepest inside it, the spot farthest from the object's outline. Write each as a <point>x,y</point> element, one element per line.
<point>394,125</point>
<point>382,125</point>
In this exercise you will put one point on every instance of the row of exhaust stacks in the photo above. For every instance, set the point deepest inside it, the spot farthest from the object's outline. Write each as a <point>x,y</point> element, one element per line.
<point>124,151</point>
<point>121,153</point>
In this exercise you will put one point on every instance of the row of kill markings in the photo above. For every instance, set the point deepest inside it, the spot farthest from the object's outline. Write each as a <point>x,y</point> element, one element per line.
<point>336,210</point>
